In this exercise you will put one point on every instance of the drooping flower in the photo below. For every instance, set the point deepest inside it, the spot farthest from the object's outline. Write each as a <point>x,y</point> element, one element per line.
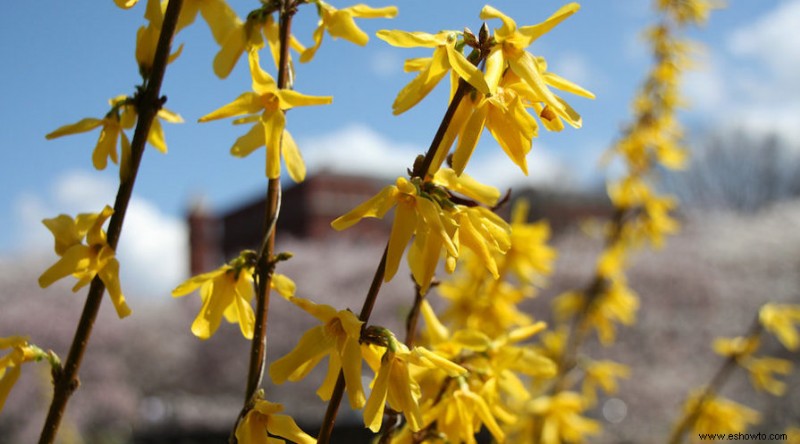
<point>445,57</point>
<point>122,116</point>
<point>562,419</point>
<point>262,424</point>
<point>340,24</point>
<point>718,413</point>
<point>602,374</point>
<point>394,384</point>
<point>782,321</point>
<point>11,364</point>
<point>762,371</point>
<point>415,211</point>
<point>338,339</point>
<point>269,129</point>
<point>82,260</point>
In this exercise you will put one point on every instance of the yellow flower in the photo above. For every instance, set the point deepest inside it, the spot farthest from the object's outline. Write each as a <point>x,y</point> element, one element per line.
<point>689,11</point>
<point>85,261</point>
<point>529,257</point>
<point>781,320</point>
<point>718,414</point>
<point>262,424</point>
<point>11,364</point>
<point>340,24</point>
<point>121,117</point>
<point>510,52</point>
<point>445,57</point>
<point>393,384</point>
<point>761,372</point>
<point>738,347</point>
<point>221,19</point>
<point>228,291</point>
<point>249,36</point>
<point>269,129</point>
<point>615,303</point>
<point>459,416</point>
<point>603,374</point>
<point>415,212</point>
<point>561,418</point>
<point>338,338</point>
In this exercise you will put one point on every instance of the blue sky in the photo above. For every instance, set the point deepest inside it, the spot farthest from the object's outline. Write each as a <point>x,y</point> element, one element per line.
<point>64,60</point>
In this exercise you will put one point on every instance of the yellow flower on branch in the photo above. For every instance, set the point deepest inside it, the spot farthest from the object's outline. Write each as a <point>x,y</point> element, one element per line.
<point>761,371</point>
<point>602,374</point>
<point>782,320</point>
<point>122,116</point>
<point>510,53</point>
<point>340,24</point>
<point>431,71</point>
<point>269,129</point>
<point>85,261</point>
<point>561,418</point>
<point>717,414</point>
<point>394,383</point>
<point>11,364</point>
<point>262,424</point>
<point>338,338</point>
<point>415,211</point>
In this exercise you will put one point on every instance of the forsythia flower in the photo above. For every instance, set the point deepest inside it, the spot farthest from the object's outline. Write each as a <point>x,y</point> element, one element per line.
<point>338,338</point>
<point>414,211</point>
<point>11,364</point>
<point>561,418</point>
<point>85,261</point>
<point>122,116</point>
<point>228,291</point>
<point>717,414</point>
<point>393,383</point>
<point>510,51</point>
<point>445,57</point>
<point>340,24</point>
<point>270,125</point>
<point>460,415</point>
<point>262,421</point>
<point>782,321</point>
<point>603,374</point>
<point>738,347</point>
<point>761,372</point>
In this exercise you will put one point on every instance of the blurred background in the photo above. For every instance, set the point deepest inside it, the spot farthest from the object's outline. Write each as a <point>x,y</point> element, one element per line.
<point>147,379</point>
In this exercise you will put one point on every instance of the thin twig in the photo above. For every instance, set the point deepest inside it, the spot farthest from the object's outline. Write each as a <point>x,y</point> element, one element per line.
<point>147,106</point>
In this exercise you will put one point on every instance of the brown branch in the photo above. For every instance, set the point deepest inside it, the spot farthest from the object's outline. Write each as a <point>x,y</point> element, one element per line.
<point>265,264</point>
<point>147,105</point>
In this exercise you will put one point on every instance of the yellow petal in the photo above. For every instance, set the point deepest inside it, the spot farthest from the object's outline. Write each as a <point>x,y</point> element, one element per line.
<point>262,82</point>
<point>430,211</point>
<point>364,11</point>
<point>422,84</point>
<point>285,427</point>
<point>373,409</point>
<point>405,221</point>
<point>466,70</point>
<point>252,140</point>
<point>566,85</point>
<point>230,51</point>
<point>351,367</point>
<point>81,126</point>
<point>376,206</point>
<point>126,4</point>
<point>311,347</point>
<point>309,53</point>
<point>106,147</point>
<point>247,103</point>
<point>533,32</point>
<point>342,25</point>
<point>469,138</point>
<point>495,66</point>
<point>221,19</point>
<point>195,282</point>
<point>290,99</point>
<point>274,124</point>
<point>405,39</point>
<point>7,381</point>
<point>293,159</point>
<point>467,186</point>
<point>283,285</point>
<point>156,136</point>
<point>110,276</point>
<point>207,321</point>
<point>74,259</point>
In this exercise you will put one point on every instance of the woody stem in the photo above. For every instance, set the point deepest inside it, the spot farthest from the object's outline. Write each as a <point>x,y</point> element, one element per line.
<point>149,102</point>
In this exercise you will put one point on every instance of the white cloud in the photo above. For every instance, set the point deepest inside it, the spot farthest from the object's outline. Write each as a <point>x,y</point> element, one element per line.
<point>385,63</point>
<point>773,39</point>
<point>153,249</point>
<point>358,149</point>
